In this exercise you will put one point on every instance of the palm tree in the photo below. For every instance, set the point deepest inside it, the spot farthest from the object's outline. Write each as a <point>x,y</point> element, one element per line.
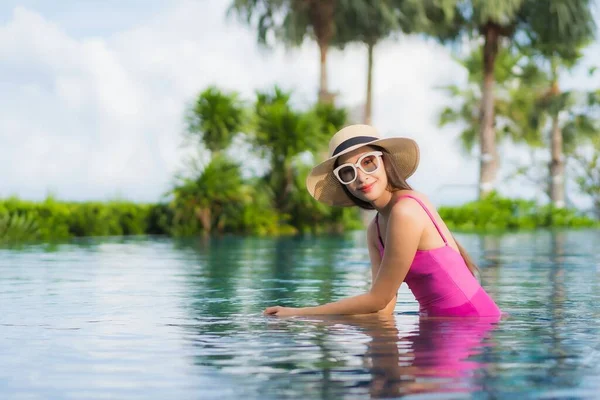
<point>215,118</point>
<point>516,81</point>
<point>290,21</point>
<point>204,197</point>
<point>367,22</point>
<point>281,134</point>
<point>569,126</point>
<point>528,101</point>
<point>588,159</point>
<point>557,54</point>
<point>589,179</point>
<point>204,202</point>
<point>499,22</point>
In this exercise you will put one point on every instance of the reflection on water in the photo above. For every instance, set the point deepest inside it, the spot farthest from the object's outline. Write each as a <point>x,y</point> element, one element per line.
<point>156,318</point>
<point>419,356</point>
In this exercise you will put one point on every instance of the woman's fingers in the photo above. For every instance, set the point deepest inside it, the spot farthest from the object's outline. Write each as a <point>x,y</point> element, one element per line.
<point>272,310</point>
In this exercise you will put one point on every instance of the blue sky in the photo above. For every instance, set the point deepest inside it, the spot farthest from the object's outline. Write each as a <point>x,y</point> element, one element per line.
<point>93,93</point>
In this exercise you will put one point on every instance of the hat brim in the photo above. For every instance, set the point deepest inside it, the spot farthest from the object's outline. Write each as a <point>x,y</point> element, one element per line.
<point>324,186</point>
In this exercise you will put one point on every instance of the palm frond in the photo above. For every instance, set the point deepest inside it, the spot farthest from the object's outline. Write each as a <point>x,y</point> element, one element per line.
<point>15,228</point>
<point>215,118</point>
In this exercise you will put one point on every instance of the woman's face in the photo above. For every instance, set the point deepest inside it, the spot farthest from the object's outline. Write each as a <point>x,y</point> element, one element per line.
<point>367,186</point>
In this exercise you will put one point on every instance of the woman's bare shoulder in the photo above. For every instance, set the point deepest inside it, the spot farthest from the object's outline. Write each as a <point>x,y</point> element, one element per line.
<point>407,207</point>
<point>404,201</point>
<point>405,198</point>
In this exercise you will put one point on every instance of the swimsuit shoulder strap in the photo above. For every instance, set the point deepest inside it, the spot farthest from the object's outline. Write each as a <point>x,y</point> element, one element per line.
<point>378,231</point>
<point>428,213</point>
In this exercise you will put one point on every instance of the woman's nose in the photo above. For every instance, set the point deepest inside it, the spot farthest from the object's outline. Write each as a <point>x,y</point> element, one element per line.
<point>360,175</point>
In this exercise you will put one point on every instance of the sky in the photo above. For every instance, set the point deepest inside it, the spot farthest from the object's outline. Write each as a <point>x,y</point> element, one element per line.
<point>93,95</point>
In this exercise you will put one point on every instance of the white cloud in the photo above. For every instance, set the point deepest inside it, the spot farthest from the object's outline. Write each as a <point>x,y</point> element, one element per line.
<point>91,117</point>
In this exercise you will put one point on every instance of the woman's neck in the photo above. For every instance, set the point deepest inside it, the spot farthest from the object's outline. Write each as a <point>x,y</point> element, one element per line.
<point>384,204</point>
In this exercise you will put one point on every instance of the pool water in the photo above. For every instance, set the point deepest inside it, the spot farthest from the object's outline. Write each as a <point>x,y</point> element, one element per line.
<point>158,318</point>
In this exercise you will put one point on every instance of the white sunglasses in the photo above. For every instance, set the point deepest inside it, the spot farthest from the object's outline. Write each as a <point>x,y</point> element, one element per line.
<point>368,163</point>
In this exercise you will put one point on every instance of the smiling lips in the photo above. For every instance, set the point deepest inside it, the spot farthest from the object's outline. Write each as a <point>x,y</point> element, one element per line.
<point>367,188</point>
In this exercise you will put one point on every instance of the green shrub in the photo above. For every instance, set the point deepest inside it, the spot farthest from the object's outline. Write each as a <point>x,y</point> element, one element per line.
<point>247,208</point>
<point>55,220</point>
<point>15,228</point>
<point>495,213</point>
<point>160,219</point>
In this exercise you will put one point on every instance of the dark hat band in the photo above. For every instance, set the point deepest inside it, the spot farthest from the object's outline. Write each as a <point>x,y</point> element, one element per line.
<point>353,142</point>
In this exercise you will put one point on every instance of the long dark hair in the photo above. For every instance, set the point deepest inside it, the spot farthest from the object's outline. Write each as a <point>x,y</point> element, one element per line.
<point>395,183</point>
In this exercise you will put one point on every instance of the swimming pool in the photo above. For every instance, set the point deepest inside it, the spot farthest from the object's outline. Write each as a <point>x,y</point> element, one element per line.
<point>155,318</point>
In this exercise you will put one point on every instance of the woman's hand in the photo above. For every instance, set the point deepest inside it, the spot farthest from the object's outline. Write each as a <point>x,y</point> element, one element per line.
<point>282,311</point>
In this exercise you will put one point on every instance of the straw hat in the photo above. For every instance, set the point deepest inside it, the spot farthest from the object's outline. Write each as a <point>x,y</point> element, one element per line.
<point>322,183</point>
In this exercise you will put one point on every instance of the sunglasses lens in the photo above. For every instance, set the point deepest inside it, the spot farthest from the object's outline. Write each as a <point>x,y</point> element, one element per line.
<point>347,174</point>
<point>369,163</point>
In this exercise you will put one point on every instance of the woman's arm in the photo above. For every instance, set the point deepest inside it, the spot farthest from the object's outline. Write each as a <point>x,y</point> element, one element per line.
<point>405,227</point>
<point>375,256</point>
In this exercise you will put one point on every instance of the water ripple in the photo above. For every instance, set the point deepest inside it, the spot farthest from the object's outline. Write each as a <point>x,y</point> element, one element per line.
<point>155,318</point>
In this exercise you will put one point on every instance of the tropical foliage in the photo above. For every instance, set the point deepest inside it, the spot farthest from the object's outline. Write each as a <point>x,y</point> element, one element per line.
<point>209,201</point>
<point>251,156</point>
<point>216,118</point>
<point>516,82</point>
<point>553,27</point>
<point>528,105</point>
<point>215,196</point>
<point>367,22</point>
<point>495,213</point>
<point>587,165</point>
<point>290,22</point>
<point>51,220</point>
<point>54,220</point>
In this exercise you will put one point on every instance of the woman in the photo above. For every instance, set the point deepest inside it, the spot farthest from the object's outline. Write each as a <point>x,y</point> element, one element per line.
<point>407,240</point>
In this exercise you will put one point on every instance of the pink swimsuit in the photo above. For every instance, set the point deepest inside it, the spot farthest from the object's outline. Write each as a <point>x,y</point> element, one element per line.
<point>442,283</point>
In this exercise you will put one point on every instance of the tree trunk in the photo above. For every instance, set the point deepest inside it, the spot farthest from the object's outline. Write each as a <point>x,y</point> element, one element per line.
<point>282,182</point>
<point>369,102</point>
<point>324,95</point>
<point>288,185</point>
<point>220,224</point>
<point>594,175</point>
<point>557,166</point>
<point>321,18</point>
<point>487,135</point>
<point>204,215</point>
